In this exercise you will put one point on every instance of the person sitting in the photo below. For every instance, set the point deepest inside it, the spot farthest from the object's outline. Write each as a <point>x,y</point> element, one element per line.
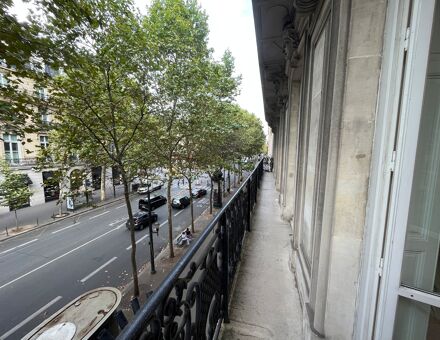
<point>185,238</point>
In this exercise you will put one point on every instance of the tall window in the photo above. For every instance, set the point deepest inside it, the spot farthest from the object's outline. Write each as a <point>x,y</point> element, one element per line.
<point>41,93</point>
<point>44,142</point>
<point>44,115</point>
<point>3,80</point>
<point>11,148</point>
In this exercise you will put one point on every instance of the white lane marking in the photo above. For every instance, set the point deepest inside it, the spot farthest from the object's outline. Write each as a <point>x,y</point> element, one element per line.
<point>59,257</point>
<point>162,224</point>
<point>97,270</point>
<point>105,212</point>
<point>117,221</point>
<point>121,206</point>
<point>140,240</point>
<point>19,246</point>
<point>29,318</point>
<point>70,226</point>
<point>120,226</point>
<point>181,211</point>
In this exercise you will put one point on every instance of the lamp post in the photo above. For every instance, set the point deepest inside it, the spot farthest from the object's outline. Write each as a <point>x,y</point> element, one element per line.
<point>150,228</point>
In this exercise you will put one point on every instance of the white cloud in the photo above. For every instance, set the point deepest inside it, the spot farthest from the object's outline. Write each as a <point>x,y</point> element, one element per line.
<point>231,27</point>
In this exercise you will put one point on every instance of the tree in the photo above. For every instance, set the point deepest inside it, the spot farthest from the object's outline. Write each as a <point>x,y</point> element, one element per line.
<point>104,91</point>
<point>179,32</point>
<point>14,190</point>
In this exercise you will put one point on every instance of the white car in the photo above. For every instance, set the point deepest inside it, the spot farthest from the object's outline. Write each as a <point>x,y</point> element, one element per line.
<point>154,185</point>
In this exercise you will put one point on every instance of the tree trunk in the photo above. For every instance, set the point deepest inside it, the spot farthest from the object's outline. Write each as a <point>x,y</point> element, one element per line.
<point>191,201</point>
<point>229,180</point>
<point>103,183</point>
<point>210,194</point>
<point>224,182</point>
<point>132,236</point>
<point>16,219</point>
<point>170,214</point>
<point>60,212</point>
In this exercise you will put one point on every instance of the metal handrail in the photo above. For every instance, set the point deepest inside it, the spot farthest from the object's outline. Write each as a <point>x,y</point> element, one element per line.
<point>135,327</point>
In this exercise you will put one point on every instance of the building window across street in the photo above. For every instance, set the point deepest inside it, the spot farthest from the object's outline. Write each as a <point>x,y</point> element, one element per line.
<point>41,93</point>
<point>44,115</point>
<point>44,142</point>
<point>3,80</point>
<point>11,148</point>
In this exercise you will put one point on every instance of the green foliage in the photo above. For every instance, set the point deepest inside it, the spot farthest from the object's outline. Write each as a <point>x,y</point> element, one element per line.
<point>14,190</point>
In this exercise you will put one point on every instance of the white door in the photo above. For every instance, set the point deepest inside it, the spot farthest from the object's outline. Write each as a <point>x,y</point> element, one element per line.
<point>410,300</point>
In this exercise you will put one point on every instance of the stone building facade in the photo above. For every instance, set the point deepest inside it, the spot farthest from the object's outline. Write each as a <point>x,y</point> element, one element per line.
<point>352,95</point>
<point>21,152</point>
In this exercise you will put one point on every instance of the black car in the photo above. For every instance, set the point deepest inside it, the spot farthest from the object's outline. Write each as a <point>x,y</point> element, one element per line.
<point>198,193</point>
<point>141,220</point>
<point>180,202</point>
<point>156,202</point>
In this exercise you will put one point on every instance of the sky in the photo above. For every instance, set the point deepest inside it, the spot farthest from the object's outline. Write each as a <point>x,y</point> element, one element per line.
<point>231,27</point>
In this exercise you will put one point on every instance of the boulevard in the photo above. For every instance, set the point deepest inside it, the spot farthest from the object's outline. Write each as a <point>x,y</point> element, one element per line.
<point>44,269</point>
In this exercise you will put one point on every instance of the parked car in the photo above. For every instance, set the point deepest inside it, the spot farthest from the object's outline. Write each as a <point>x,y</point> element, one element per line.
<point>154,185</point>
<point>156,201</point>
<point>196,193</point>
<point>180,202</point>
<point>141,220</point>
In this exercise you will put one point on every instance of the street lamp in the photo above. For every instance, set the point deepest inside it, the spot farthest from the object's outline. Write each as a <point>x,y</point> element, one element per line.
<point>150,228</point>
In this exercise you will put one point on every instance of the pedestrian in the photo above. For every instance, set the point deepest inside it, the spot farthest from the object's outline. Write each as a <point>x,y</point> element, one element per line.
<point>188,233</point>
<point>271,164</point>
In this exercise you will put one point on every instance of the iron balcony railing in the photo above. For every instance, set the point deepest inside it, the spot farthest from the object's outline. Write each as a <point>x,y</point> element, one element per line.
<point>193,300</point>
<point>21,161</point>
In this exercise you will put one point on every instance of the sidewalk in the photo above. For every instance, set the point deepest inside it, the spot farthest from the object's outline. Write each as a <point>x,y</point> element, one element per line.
<point>149,282</point>
<point>265,303</point>
<point>39,215</point>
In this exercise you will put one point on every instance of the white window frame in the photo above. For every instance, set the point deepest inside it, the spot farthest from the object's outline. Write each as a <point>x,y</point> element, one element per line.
<point>45,143</point>
<point>3,80</point>
<point>10,141</point>
<point>410,113</point>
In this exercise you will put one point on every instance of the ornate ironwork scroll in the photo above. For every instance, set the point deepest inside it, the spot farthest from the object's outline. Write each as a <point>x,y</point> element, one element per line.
<point>193,300</point>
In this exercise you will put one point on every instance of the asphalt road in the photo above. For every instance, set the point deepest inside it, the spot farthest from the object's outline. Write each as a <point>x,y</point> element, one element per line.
<point>43,270</point>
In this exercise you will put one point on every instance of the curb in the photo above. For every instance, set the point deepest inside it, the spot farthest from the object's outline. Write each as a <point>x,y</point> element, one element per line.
<point>65,218</point>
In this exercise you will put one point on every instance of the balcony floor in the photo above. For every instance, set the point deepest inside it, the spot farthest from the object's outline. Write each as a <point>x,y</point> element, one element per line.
<point>265,303</point>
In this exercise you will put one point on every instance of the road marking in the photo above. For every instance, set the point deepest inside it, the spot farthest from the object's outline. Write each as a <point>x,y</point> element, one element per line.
<point>21,245</point>
<point>140,240</point>
<point>70,226</point>
<point>181,211</point>
<point>29,318</point>
<point>98,269</point>
<point>121,206</point>
<point>117,221</point>
<point>120,226</point>
<point>105,212</point>
<point>59,257</point>
<point>162,224</point>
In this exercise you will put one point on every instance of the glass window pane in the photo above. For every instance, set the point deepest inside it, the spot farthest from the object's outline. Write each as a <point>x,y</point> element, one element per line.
<point>421,255</point>
<point>416,321</point>
<point>307,229</point>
